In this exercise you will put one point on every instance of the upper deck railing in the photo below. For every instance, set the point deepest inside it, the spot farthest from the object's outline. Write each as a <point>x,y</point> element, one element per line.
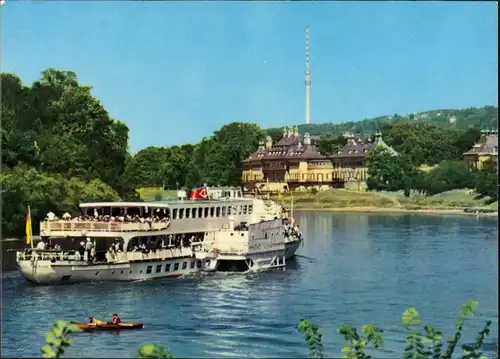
<point>90,226</point>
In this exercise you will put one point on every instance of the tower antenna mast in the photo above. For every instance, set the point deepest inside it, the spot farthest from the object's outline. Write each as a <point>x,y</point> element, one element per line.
<point>307,81</point>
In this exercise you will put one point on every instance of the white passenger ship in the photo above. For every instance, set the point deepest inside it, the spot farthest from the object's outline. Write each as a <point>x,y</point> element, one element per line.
<point>216,229</point>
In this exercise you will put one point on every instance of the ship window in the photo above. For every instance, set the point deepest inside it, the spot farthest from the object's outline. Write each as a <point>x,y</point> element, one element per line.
<point>200,212</point>
<point>167,267</point>
<point>158,268</point>
<point>193,212</point>
<point>176,266</point>
<point>223,211</point>
<point>198,264</point>
<point>206,212</point>
<point>217,212</point>
<point>265,235</point>
<point>212,210</point>
<point>239,210</point>
<point>174,213</point>
<point>245,209</point>
<point>181,213</point>
<point>149,269</point>
<point>188,210</point>
<point>184,265</point>
<point>250,209</point>
<point>193,264</point>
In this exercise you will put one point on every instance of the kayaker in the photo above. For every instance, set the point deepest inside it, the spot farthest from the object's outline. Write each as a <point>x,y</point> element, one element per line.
<point>92,320</point>
<point>116,319</point>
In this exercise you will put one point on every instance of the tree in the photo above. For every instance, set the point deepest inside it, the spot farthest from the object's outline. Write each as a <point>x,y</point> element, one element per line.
<point>486,183</point>
<point>44,192</point>
<point>329,145</point>
<point>390,172</point>
<point>447,176</point>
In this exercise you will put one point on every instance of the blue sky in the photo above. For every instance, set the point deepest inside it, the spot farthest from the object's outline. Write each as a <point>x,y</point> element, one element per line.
<point>175,72</point>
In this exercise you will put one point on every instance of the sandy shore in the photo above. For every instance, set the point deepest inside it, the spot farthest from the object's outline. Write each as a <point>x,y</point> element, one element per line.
<point>401,210</point>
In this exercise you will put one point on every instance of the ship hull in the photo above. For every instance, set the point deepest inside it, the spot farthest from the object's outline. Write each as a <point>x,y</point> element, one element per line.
<point>45,272</point>
<point>291,248</point>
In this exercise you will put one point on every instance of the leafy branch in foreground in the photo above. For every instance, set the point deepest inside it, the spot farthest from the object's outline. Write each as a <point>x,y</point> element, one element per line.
<point>310,332</point>
<point>428,345</point>
<point>57,339</point>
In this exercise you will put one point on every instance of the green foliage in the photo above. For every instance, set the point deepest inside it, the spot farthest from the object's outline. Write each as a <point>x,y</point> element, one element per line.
<point>60,144</point>
<point>57,339</point>
<point>329,145</point>
<point>487,183</point>
<point>356,345</point>
<point>388,172</point>
<point>447,176</point>
<point>44,192</point>
<point>313,338</point>
<point>472,117</point>
<point>153,351</point>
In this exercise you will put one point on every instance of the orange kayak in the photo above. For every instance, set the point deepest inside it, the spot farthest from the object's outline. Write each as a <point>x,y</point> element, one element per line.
<point>108,326</point>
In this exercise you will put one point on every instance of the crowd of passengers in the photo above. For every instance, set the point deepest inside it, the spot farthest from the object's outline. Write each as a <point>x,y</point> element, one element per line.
<point>157,217</point>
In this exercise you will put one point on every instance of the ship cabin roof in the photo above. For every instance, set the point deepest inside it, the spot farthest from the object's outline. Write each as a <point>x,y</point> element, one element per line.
<point>164,204</point>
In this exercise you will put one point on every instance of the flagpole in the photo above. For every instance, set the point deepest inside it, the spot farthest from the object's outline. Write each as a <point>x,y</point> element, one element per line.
<point>31,227</point>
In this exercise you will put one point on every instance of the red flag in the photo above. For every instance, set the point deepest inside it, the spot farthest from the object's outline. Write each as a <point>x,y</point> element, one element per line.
<point>199,193</point>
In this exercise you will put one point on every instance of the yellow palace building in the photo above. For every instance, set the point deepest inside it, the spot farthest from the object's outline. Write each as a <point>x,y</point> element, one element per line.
<point>484,154</point>
<point>294,163</point>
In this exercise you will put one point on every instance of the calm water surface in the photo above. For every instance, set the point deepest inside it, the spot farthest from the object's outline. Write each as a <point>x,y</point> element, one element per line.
<point>353,268</point>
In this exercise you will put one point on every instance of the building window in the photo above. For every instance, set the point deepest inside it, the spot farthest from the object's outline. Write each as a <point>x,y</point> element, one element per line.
<point>250,207</point>
<point>217,212</point>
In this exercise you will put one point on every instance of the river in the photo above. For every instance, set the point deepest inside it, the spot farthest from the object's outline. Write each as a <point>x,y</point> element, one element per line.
<point>353,268</point>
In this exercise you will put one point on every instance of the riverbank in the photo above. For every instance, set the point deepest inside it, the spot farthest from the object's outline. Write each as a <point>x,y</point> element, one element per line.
<point>436,211</point>
<point>463,202</point>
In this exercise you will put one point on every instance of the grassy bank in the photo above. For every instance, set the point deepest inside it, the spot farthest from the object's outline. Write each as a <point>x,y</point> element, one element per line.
<point>344,200</point>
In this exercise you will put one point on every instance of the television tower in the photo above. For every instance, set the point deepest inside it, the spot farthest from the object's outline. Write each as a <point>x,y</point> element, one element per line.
<point>307,81</point>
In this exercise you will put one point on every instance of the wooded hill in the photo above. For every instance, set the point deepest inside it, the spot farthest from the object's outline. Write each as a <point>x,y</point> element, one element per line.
<point>484,118</point>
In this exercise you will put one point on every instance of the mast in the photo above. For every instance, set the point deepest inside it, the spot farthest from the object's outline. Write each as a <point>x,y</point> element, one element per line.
<point>307,81</point>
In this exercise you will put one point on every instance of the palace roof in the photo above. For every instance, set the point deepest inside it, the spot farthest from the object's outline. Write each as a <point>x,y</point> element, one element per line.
<point>487,145</point>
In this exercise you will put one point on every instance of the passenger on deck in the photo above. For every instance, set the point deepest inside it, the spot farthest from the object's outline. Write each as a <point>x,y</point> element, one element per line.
<point>41,244</point>
<point>88,247</point>
<point>92,320</point>
<point>116,319</point>
<point>81,249</point>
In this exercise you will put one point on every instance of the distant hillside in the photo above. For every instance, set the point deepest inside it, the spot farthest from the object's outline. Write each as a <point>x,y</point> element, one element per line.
<point>485,118</point>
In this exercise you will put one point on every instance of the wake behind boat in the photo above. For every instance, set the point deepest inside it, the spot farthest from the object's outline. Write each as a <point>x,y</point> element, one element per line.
<point>215,229</point>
